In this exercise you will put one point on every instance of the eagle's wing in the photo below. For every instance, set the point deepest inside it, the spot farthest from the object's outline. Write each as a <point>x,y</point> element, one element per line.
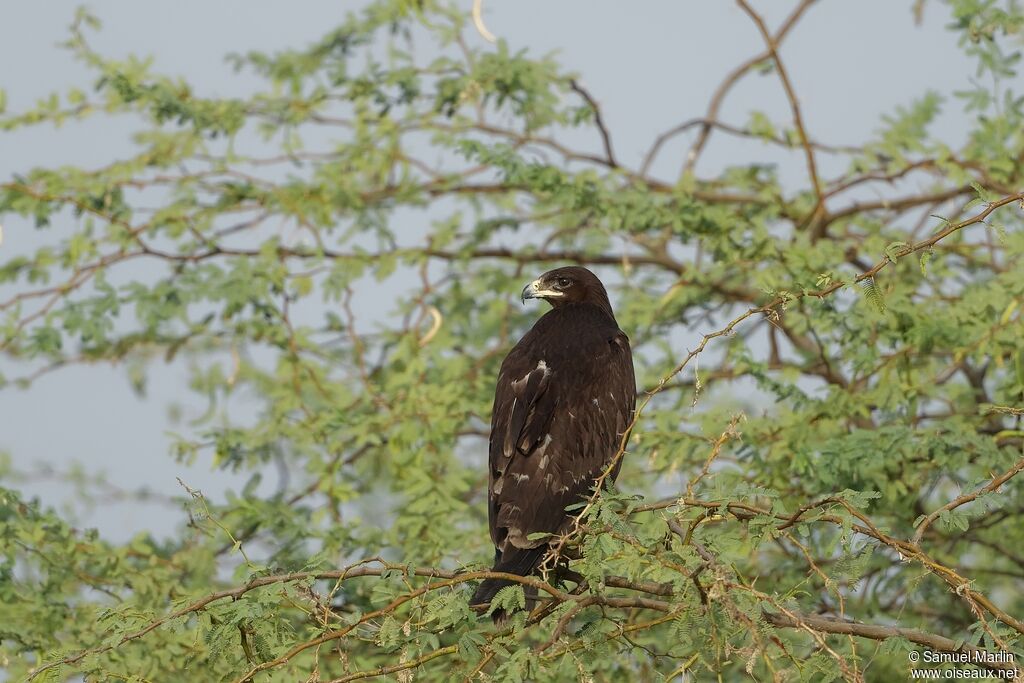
<point>560,412</point>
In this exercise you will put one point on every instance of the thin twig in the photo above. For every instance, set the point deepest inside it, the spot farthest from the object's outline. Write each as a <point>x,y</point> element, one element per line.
<point>606,137</point>
<point>794,105</point>
<point>967,498</point>
<point>731,79</point>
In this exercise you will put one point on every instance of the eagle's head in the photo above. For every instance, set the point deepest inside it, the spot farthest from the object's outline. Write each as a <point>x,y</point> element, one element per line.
<point>569,285</point>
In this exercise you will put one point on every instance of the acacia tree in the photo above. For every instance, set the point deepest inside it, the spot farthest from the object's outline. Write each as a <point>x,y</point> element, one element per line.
<point>836,383</point>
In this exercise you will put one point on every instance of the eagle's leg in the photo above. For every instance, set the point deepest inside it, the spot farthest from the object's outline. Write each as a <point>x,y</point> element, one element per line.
<point>521,561</point>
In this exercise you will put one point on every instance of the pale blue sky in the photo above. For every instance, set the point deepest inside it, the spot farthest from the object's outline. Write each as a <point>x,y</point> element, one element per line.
<point>651,65</point>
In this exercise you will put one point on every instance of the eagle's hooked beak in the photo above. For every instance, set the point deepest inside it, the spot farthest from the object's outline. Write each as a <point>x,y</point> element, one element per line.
<point>534,291</point>
<point>529,291</point>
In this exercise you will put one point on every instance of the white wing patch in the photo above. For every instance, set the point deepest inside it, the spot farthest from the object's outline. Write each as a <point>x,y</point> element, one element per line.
<point>541,365</point>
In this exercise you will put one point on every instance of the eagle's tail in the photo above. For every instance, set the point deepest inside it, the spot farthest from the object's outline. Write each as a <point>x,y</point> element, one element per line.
<point>514,561</point>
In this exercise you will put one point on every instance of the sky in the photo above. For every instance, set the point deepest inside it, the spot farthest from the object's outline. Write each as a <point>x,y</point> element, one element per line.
<point>650,65</point>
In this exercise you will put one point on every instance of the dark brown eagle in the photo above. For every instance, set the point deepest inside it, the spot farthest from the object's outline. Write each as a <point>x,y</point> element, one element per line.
<point>564,399</point>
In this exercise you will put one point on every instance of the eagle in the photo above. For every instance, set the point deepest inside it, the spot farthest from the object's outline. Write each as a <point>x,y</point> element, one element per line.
<point>564,400</point>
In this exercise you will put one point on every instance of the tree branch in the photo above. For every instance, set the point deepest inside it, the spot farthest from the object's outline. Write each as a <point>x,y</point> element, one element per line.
<point>967,498</point>
<point>606,138</point>
<point>875,632</point>
<point>794,105</point>
<point>730,80</point>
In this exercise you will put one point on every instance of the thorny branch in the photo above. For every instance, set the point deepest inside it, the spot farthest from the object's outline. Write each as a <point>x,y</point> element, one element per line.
<point>437,579</point>
<point>990,487</point>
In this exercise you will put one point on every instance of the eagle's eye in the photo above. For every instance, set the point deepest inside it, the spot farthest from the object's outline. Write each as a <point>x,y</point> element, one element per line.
<point>563,282</point>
